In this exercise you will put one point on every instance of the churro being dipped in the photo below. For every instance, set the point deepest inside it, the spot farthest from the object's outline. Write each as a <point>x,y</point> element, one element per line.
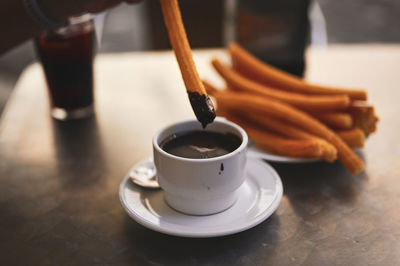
<point>201,103</point>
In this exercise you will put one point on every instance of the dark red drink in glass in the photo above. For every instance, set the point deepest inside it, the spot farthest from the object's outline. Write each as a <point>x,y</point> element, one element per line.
<point>67,59</point>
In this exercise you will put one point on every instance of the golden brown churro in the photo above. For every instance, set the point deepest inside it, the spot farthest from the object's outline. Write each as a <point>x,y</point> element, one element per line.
<point>288,116</point>
<point>335,120</point>
<point>312,103</point>
<point>364,116</point>
<point>354,137</point>
<point>255,69</point>
<point>287,147</point>
<point>328,151</point>
<point>201,103</point>
<point>244,102</point>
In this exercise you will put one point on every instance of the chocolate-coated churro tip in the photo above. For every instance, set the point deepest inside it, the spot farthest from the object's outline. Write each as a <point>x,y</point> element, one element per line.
<point>202,107</point>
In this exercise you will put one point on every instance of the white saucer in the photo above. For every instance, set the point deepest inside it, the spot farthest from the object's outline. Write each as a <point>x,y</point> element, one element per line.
<point>254,152</point>
<point>259,197</point>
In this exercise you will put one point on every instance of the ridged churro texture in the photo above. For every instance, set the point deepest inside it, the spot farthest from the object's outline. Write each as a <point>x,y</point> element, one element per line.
<point>286,115</point>
<point>200,102</point>
<point>250,66</point>
<point>311,103</point>
<point>243,102</point>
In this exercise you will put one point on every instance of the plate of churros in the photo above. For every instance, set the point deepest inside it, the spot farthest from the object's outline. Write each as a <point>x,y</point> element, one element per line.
<point>289,119</point>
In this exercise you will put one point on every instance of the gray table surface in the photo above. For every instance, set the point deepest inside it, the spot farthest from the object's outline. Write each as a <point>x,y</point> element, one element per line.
<point>59,180</point>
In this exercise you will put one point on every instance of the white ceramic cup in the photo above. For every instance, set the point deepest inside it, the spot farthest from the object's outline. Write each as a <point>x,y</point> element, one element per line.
<point>200,186</point>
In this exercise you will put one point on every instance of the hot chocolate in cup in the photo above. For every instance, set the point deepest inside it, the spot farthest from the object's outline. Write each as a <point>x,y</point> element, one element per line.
<point>200,170</point>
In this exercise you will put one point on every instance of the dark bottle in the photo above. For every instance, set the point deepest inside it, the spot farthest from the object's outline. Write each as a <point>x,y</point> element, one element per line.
<point>277,32</point>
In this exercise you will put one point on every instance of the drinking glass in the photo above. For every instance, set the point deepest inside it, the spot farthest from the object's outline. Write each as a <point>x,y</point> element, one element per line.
<point>67,59</point>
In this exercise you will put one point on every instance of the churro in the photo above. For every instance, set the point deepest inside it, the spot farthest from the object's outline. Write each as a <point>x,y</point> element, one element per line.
<point>255,69</point>
<point>201,104</point>
<point>312,103</point>
<point>364,117</point>
<point>328,151</point>
<point>354,137</point>
<point>287,147</point>
<point>335,120</point>
<point>244,102</point>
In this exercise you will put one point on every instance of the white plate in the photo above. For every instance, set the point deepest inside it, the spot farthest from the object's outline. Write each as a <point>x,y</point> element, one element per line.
<point>259,197</point>
<point>254,152</point>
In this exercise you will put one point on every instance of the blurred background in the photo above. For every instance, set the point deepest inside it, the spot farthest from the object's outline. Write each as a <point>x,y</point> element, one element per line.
<point>211,23</point>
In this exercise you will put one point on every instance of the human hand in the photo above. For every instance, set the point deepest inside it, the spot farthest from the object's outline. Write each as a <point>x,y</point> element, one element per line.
<point>62,9</point>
